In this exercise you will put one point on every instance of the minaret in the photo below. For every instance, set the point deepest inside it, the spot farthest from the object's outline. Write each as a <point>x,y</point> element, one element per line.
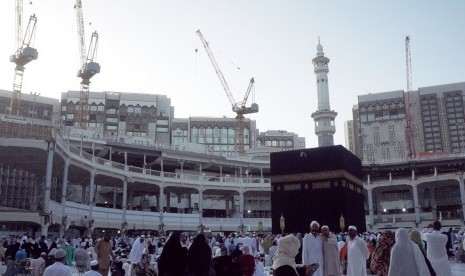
<point>324,116</point>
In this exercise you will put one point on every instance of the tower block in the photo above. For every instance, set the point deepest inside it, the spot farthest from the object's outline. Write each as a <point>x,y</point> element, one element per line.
<point>322,184</point>
<point>324,116</point>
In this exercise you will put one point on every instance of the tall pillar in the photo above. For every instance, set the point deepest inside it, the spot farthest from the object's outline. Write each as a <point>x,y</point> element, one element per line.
<point>125,198</point>
<point>434,208</point>
<point>370,206</point>
<point>241,208</point>
<point>201,206</point>
<point>168,201</point>
<point>46,219</point>
<point>160,207</point>
<point>91,193</point>
<point>145,163</point>
<point>114,199</point>
<point>462,194</point>
<point>415,201</point>
<point>130,198</point>
<point>226,198</point>
<point>64,185</point>
<point>162,173</point>
<point>48,174</point>
<point>125,161</point>
<point>161,199</point>
<point>83,194</point>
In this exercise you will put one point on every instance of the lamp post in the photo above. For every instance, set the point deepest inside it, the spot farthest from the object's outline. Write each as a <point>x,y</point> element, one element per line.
<point>282,223</point>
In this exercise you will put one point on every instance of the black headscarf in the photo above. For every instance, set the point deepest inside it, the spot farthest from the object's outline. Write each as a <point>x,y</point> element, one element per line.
<point>172,261</point>
<point>199,257</point>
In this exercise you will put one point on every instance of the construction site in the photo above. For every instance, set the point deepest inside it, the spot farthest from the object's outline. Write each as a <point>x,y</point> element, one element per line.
<point>109,160</point>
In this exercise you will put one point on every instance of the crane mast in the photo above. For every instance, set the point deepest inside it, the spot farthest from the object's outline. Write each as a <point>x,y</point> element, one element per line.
<point>88,66</point>
<point>409,102</point>
<point>23,55</point>
<point>239,108</point>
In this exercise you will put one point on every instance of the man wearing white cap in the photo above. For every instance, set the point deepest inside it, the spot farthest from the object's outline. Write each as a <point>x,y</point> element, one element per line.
<point>58,268</point>
<point>82,258</point>
<point>357,254</point>
<point>94,269</point>
<point>312,248</point>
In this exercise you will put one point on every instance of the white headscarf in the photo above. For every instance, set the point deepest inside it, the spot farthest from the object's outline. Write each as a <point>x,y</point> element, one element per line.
<point>401,257</point>
<point>136,251</point>
<point>288,248</point>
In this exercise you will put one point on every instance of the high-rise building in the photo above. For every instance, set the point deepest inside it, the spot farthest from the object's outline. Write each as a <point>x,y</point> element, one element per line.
<point>379,128</point>
<point>217,135</point>
<point>324,116</point>
<point>124,117</point>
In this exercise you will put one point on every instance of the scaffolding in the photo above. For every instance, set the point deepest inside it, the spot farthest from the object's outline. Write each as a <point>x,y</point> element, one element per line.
<point>20,190</point>
<point>24,130</point>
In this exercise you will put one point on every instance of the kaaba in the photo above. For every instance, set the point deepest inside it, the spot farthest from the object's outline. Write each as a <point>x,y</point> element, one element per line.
<point>323,184</point>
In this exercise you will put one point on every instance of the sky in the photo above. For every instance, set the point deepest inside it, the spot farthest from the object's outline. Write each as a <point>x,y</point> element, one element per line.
<point>149,46</point>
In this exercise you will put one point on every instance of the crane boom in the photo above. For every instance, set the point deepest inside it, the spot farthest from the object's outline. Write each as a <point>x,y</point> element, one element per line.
<point>408,61</point>
<point>81,32</point>
<point>19,23</point>
<point>23,55</point>
<point>409,102</point>
<point>88,66</point>
<point>87,71</point>
<point>247,93</point>
<point>239,108</point>
<point>220,75</point>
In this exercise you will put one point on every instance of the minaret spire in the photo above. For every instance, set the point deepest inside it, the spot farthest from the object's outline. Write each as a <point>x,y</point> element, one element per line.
<point>324,116</point>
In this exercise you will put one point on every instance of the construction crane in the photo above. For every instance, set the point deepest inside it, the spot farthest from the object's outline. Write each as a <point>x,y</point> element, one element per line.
<point>409,102</point>
<point>239,108</point>
<point>24,54</point>
<point>88,66</point>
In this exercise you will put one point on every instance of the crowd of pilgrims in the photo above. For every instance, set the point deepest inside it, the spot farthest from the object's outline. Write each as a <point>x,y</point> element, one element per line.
<point>319,252</point>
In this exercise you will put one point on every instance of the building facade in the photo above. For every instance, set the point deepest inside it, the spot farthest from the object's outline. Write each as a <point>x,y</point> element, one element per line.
<point>215,135</point>
<point>410,183</point>
<point>124,117</point>
<point>437,124</point>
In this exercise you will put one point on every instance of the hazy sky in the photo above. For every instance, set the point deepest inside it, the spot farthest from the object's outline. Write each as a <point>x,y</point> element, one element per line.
<point>148,46</point>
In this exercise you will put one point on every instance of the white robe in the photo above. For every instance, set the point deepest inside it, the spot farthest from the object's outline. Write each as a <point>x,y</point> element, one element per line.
<point>357,255</point>
<point>312,252</point>
<point>249,242</point>
<point>136,251</point>
<point>437,254</point>
<point>331,256</point>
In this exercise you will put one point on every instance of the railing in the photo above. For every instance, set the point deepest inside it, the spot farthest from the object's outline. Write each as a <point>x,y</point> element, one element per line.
<point>65,147</point>
<point>438,156</point>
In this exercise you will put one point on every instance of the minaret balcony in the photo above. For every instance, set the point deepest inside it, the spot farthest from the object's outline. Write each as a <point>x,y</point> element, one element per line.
<point>329,129</point>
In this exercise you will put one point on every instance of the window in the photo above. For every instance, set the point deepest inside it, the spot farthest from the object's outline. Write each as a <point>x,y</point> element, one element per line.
<point>100,108</point>
<point>112,120</point>
<point>162,122</point>
<point>130,109</point>
<point>111,127</point>
<point>162,129</point>
<point>111,110</point>
<point>69,116</point>
<point>63,108</point>
<point>93,108</point>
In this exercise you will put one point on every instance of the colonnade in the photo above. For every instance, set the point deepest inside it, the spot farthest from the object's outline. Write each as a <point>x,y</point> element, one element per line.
<point>413,182</point>
<point>126,180</point>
